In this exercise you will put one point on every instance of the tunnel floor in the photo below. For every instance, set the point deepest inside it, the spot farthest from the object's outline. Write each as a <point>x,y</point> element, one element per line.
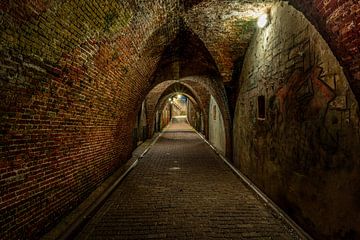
<point>181,189</point>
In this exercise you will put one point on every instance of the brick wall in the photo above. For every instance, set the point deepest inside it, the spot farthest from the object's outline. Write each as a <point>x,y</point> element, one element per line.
<point>204,101</point>
<point>71,82</point>
<point>74,73</point>
<point>152,99</point>
<point>165,116</point>
<point>194,115</point>
<point>303,150</point>
<point>339,22</point>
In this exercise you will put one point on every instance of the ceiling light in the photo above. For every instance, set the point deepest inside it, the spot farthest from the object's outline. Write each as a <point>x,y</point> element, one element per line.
<point>263,20</point>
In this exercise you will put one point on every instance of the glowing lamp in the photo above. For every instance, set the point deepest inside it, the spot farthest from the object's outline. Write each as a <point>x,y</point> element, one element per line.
<point>263,20</point>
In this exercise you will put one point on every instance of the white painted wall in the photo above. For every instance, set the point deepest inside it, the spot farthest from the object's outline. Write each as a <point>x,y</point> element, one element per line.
<point>216,127</point>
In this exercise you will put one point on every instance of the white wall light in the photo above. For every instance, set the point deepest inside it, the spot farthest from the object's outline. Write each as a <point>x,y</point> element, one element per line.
<point>263,20</point>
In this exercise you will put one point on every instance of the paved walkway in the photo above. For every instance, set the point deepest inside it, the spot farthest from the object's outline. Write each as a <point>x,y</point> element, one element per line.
<point>182,190</point>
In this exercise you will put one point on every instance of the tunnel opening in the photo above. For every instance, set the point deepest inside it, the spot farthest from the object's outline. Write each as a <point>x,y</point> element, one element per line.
<point>75,79</point>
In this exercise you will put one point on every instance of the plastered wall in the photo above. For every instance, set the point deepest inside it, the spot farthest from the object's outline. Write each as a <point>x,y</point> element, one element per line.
<point>305,153</point>
<point>216,127</point>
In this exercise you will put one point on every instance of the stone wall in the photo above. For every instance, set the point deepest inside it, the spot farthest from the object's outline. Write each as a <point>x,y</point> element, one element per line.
<point>216,127</point>
<point>74,73</point>
<point>304,152</point>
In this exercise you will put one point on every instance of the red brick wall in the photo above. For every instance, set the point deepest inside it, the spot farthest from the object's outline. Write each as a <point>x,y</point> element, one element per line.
<point>70,87</point>
<point>151,101</point>
<point>74,73</point>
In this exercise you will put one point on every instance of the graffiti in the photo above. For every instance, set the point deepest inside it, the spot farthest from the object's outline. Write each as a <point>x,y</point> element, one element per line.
<point>311,94</point>
<point>309,104</point>
<point>308,144</point>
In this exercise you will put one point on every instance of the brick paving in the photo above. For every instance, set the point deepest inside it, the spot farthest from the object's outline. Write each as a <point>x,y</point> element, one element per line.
<point>182,190</point>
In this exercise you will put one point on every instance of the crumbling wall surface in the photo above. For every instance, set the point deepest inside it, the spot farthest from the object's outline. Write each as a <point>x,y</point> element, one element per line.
<point>305,152</point>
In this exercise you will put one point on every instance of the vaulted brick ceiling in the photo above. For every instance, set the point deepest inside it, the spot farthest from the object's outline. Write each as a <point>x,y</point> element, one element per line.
<point>130,46</point>
<point>225,27</point>
<point>74,72</point>
<point>210,36</point>
<point>185,56</point>
<point>125,48</point>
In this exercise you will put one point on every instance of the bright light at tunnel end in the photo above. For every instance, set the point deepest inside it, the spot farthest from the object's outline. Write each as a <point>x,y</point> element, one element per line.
<point>263,20</point>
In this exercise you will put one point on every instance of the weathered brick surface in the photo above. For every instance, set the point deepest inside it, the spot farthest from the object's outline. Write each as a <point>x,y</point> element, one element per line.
<point>204,96</point>
<point>226,29</point>
<point>195,118</point>
<point>74,73</point>
<point>182,190</point>
<point>151,101</point>
<point>339,22</point>
<point>165,116</point>
<point>71,81</point>
<point>305,152</point>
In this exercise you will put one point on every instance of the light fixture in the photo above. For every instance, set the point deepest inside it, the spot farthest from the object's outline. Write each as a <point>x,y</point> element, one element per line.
<point>179,96</point>
<point>263,20</point>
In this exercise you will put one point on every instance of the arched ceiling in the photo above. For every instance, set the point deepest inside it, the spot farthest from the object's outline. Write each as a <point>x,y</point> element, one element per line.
<point>157,97</point>
<point>126,41</point>
<point>179,88</point>
<point>185,55</point>
<point>170,88</point>
<point>226,28</point>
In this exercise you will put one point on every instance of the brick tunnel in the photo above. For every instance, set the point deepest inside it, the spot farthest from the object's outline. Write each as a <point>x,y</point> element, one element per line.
<point>270,90</point>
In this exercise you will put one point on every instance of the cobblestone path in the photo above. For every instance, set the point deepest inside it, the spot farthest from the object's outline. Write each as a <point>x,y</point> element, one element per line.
<point>182,190</point>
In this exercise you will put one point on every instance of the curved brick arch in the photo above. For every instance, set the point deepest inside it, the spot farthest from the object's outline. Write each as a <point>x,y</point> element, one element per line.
<point>164,100</point>
<point>150,102</point>
<point>157,94</point>
<point>179,88</point>
<point>73,74</point>
<point>217,90</point>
